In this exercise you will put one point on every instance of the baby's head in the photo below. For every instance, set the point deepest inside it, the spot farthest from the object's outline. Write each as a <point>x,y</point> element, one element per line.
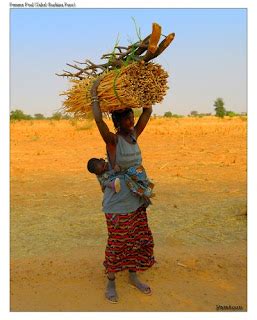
<point>97,166</point>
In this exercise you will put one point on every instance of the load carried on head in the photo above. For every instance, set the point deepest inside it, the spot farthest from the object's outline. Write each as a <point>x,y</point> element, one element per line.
<point>128,79</point>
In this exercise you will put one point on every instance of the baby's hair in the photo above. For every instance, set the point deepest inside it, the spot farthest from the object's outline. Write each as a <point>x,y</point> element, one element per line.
<point>91,165</point>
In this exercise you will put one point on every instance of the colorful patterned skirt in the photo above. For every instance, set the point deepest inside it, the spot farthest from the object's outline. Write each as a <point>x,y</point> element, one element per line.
<point>130,242</point>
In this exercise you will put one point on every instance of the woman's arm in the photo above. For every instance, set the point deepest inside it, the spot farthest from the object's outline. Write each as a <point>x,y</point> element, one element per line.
<point>143,119</point>
<point>108,137</point>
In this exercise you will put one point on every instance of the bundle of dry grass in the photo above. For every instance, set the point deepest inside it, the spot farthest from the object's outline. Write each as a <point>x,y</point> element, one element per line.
<point>135,85</point>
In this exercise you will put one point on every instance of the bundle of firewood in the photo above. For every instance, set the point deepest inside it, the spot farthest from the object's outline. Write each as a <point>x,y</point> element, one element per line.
<point>128,79</point>
<point>133,86</point>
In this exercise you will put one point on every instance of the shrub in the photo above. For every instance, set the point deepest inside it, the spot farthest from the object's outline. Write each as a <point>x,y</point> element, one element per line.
<point>56,116</point>
<point>39,116</point>
<point>231,114</point>
<point>167,114</point>
<point>194,113</point>
<point>219,108</point>
<point>19,115</point>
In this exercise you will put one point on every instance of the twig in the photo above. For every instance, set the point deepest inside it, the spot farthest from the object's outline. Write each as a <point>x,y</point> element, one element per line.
<point>117,59</point>
<point>165,165</point>
<point>181,265</point>
<point>200,235</point>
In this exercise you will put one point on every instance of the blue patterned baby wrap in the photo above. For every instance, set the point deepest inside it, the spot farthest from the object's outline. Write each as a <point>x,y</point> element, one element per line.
<point>138,182</point>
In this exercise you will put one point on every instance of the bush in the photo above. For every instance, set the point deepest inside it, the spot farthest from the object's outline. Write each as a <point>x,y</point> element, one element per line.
<point>193,113</point>
<point>219,108</point>
<point>177,116</point>
<point>39,116</point>
<point>167,114</point>
<point>19,115</point>
<point>56,116</point>
<point>172,115</point>
<point>231,114</point>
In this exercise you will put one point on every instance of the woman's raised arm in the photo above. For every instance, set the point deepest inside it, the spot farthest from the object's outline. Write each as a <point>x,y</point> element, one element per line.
<point>108,137</point>
<point>143,119</point>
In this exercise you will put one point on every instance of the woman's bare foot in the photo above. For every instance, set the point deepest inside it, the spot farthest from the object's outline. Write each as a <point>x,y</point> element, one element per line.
<point>136,283</point>
<point>111,293</point>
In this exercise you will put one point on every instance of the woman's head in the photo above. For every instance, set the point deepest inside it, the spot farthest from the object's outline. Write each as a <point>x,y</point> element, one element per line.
<point>123,120</point>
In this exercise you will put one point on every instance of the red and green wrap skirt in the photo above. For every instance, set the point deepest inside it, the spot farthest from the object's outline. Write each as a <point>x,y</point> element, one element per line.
<point>130,242</point>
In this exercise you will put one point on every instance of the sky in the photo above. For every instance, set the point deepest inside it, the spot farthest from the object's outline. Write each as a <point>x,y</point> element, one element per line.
<point>206,60</point>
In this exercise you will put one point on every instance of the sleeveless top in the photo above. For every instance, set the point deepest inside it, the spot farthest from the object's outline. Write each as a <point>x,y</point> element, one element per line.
<point>127,155</point>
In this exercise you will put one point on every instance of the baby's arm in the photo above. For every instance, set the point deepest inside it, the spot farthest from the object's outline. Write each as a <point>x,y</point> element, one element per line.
<point>113,171</point>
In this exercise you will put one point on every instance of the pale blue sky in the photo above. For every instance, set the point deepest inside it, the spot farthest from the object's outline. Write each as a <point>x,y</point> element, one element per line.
<point>207,59</point>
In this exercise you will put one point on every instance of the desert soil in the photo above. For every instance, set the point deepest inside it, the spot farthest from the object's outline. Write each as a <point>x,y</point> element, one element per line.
<point>198,217</point>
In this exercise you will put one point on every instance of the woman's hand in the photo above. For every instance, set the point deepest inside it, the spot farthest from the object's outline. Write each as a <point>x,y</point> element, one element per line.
<point>150,108</point>
<point>108,137</point>
<point>93,90</point>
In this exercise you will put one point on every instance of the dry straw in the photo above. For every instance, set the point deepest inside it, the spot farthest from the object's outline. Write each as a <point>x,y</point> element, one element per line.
<point>135,85</point>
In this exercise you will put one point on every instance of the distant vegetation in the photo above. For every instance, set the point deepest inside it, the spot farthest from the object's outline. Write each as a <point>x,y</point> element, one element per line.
<point>172,115</point>
<point>199,115</point>
<point>221,112</point>
<point>39,116</point>
<point>20,115</point>
<point>219,108</point>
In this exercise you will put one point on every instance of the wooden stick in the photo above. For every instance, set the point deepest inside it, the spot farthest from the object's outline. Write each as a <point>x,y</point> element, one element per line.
<point>155,37</point>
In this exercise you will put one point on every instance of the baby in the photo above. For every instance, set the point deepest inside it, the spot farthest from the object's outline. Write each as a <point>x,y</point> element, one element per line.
<point>106,177</point>
<point>135,178</point>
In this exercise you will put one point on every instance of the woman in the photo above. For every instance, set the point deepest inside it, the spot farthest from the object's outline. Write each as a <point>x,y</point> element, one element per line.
<point>130,242</point>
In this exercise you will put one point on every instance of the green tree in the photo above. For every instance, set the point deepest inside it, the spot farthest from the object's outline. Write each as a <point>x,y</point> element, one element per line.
<point>231,114</point>
<point>219,108</point>
<point>19,115</point>
<point>168,114</point>
<point>194,113</point>
<point>39,116</point>
<point>56,116</point>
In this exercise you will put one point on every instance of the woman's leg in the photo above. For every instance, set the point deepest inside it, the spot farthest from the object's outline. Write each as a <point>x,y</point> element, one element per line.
<point>135,282</point>
<point>111,293</point>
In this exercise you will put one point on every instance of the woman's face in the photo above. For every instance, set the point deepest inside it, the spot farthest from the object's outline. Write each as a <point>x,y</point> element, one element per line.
<point>127,123</point>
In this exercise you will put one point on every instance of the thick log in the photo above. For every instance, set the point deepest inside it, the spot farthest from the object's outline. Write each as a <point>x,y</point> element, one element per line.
<point>143,46</point>
<point>155,37</point>
<point>162,46</point>
<point>165,43</point>
<point>132,53</point>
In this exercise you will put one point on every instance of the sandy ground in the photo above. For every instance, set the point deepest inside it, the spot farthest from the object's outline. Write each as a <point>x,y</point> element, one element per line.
<point>198,217</point>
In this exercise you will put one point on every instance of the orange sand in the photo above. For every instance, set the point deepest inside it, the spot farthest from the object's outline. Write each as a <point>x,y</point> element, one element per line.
<point>198,218</point>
